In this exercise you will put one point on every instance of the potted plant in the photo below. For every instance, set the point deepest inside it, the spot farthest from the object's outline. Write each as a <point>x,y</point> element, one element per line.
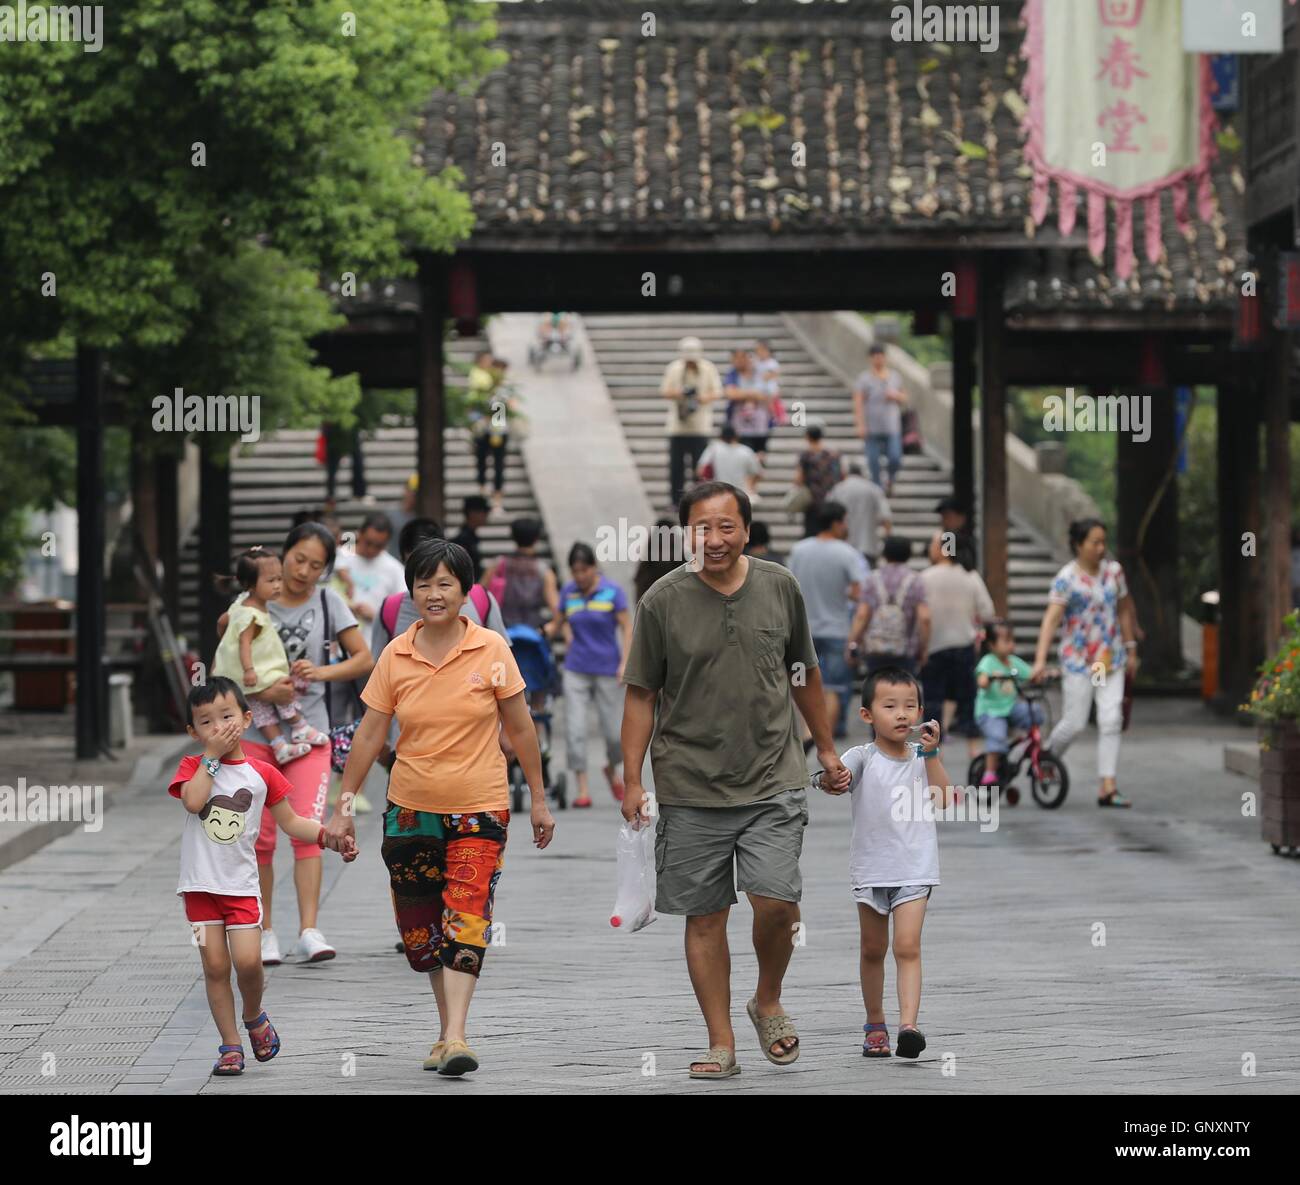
<point>1275,705</point>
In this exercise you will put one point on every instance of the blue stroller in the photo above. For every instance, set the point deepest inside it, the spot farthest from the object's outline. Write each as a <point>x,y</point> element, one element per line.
<point>533,656</point>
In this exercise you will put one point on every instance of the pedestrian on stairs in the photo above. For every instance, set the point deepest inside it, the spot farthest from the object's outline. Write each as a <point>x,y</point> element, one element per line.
<point>878,402</point>
<point>692,385</point>
<point>818,469</point>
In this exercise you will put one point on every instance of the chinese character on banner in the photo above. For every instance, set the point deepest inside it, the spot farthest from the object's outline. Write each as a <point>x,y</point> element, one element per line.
<point>1116,110</point>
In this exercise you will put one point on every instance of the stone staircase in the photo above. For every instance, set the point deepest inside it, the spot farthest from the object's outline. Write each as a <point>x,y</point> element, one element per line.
<point>632,351</point>
<point>278,475</point>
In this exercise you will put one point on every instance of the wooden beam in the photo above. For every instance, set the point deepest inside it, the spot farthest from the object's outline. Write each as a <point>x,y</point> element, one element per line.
<point>92,694</point>
<point>1276,364</point>
<point>430,404</point>
<point>1237,486</point>
<point>1150,561</point>
<point>214,544</point>
<point>993,433</point>
<point>963,404</point>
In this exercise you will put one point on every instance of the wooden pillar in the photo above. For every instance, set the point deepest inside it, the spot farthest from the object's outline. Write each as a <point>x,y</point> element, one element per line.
<point>1151,561</point>
<point>92,696</point>
<point>1240,580</point>
<point>963,403</point>
<point>1277,484</point>
<point>993,433</point>
<point>430,404</point>
<point>214,545</point>
<point>167,496</point>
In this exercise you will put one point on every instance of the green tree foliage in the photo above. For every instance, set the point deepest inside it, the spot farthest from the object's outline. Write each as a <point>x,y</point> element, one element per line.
<point>188,191</point>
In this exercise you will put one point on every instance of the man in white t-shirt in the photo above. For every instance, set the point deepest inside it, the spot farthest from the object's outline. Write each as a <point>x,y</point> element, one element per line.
<point>733,462</point>
<point>374,572</point>
<point>692,386</point>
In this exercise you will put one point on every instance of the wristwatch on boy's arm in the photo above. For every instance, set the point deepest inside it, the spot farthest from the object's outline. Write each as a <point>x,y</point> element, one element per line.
<point>212,765</point>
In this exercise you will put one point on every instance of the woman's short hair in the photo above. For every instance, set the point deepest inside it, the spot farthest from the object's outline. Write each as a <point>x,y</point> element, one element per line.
<point>1081,528</point>
<point>431,554</point>
<point>581,553</point>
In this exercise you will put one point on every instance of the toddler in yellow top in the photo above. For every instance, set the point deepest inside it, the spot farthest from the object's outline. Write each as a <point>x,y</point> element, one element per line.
<point>251,654</point>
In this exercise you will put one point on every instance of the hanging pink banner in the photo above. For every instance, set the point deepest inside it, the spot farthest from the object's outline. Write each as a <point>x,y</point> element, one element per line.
<point>1116,110</point>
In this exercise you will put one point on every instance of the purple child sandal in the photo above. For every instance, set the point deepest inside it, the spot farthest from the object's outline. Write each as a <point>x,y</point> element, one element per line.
<point>230,1061</point>
<point>877,1042</point>
<point>266,1042</point>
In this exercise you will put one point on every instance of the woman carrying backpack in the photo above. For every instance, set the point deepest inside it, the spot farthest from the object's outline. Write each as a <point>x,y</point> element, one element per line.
<point>892,612</point>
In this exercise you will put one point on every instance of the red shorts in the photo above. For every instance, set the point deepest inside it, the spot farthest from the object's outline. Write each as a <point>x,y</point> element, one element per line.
<point>217,909</point>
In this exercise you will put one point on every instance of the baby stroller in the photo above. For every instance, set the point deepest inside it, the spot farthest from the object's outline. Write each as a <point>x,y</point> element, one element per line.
<point>533,656</point>
<point>554,339</point>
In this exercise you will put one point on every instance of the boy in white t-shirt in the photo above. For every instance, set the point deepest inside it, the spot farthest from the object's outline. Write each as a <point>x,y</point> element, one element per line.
<point>224,793</point>
<point>894,854</point>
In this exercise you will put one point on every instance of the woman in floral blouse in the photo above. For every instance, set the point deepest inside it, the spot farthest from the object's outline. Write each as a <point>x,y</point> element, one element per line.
<point>1090,603</point>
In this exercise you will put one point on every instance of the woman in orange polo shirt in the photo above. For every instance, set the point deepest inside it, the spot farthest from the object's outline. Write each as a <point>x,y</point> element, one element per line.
<point>450,683</point>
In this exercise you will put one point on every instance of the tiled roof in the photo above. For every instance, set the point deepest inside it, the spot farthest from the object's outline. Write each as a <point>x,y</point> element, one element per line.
<point>607,134</point>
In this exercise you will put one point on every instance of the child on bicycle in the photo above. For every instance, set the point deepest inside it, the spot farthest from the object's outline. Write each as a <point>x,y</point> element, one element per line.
<point>997,701</point>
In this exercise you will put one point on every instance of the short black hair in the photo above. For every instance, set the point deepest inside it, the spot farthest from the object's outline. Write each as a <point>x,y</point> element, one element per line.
<point>414,531</point>
<point>475,502</point>
<point>829,513</point>
<point>581,553</point>
<point>897,550</point>
<point>525,531</point>
<point>759,535</point>
<point>377,520</point>
<point>713,489</point>
<point>211,691</point>
<point>875,348</point>
<point>813,432</point>
<point>431,554</point>
<point>728,433</point>
<point>892,677</point>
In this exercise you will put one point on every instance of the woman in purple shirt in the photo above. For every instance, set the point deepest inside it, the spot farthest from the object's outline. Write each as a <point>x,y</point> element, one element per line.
<point>593,615</point>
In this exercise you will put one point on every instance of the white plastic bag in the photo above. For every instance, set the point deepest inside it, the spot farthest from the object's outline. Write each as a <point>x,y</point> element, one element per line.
<point>635,906</point>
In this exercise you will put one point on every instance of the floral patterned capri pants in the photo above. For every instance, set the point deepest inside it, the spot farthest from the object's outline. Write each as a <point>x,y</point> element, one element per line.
<point>443,872</point>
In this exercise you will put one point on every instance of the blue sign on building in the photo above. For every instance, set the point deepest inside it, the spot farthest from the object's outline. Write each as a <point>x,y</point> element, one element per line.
<point>1225,69</point>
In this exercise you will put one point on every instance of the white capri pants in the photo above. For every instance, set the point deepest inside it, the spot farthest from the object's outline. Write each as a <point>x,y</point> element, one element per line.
<point>607,691</point>
<point>1077,693</point>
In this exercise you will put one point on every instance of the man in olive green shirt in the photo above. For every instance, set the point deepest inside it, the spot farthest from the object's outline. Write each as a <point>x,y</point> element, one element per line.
<point>722,646</point>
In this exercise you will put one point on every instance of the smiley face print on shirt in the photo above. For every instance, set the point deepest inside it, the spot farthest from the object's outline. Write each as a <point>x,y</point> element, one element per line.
<point>223,816</point>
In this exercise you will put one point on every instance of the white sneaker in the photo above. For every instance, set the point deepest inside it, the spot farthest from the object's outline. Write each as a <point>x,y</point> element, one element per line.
<point>312,947</point>
<point>270,949</point>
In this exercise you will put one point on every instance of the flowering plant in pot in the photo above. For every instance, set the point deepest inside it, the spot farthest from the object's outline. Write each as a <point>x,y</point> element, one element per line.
<point>1275,705</point>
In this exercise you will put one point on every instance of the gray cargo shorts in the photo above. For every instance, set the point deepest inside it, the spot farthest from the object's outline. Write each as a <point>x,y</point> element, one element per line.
<point>696,847</point>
